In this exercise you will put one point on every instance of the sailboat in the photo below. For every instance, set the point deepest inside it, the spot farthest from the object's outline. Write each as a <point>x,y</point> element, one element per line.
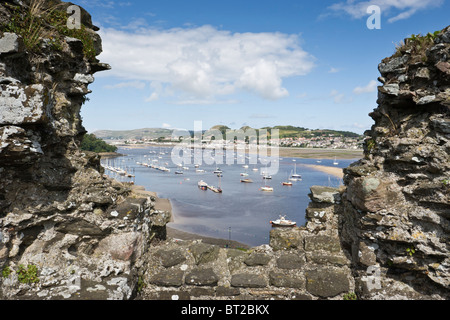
<point>266,188</point>
<point>335,161</point>
<point>295,176</point>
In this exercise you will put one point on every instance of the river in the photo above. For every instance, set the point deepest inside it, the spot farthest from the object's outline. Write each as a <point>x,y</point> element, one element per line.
<point>242,212</point>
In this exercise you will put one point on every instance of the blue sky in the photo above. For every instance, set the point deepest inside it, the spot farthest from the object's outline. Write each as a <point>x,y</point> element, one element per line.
<point>259,63</point>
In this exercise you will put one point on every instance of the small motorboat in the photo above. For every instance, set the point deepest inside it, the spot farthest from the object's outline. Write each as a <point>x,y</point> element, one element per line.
<point>289,184</point>
<point>203,185</point>
<point>267,189</point>
<point>247,181</point>
<point>283,222</point>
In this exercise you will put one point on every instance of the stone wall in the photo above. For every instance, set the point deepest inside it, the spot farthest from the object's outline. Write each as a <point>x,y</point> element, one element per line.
<point>397,202</point>
<point>68,232</point>
<point>304,263</point>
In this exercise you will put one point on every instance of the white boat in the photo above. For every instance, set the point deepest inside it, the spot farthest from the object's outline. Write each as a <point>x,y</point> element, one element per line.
<point>335,161</point>
<point>267,189</point>
<point>203,185</point>
<point>295,176</point>
<point>283,222</point>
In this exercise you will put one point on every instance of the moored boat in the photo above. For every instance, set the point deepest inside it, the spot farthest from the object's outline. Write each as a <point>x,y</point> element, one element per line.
<point>202,185</point>
<point>283,222</point>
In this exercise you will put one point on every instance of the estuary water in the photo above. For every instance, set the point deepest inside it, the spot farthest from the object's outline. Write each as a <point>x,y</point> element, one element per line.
<point>242,212</point>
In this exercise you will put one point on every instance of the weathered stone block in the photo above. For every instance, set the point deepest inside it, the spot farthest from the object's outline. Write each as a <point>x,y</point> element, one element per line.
<point>204,253</point>
<point>291,261</point>
<point>372,194</point>
<point>125,247</point>
<point>227,291</point>
<point>171,258</point>
<point>248,280</point>
<point>24,104</point>
<point>279,279</point>
<point>286,239</point>
<point>168,278</point>
<point>202,277</point>
<point>327,243</point>
<point>327,282</point>
<point>257,259</point>
<point>10,43</point>
<point>325,194</point>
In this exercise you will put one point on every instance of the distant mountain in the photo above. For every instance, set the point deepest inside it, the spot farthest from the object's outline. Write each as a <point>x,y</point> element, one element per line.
<point>138,134</point>
<point>155,133</point>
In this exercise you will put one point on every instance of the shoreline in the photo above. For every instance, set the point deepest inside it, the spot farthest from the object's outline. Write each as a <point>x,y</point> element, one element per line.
<point>334,171</point>
<point>176,234</point>
<point>305,153</point>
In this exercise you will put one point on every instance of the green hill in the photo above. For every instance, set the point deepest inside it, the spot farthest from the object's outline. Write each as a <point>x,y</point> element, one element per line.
<point>138,134</point>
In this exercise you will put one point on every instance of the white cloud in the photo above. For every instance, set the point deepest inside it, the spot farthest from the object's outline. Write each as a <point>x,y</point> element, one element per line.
<point>402,9</point>
<point>129,84</point>
<point>204,62</point>
<point>333,70</point>
<point>153,97</point>
<point>371,87</point>
<point>339,98</point>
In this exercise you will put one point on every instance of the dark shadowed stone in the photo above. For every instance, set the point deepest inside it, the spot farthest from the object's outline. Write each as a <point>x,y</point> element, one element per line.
<point>246,280</point>
<point>257,259</point>
<point>130,208</point>
<point>198,292</point>
<point>393,65</point>
<point>81,227</point>
<point>278,279</point>
<point>202,277</point>
<point>327,282</point>
<point>291,261</point>
<point>227,292</point>
<point>171,258</point>
<point>168,278</point>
